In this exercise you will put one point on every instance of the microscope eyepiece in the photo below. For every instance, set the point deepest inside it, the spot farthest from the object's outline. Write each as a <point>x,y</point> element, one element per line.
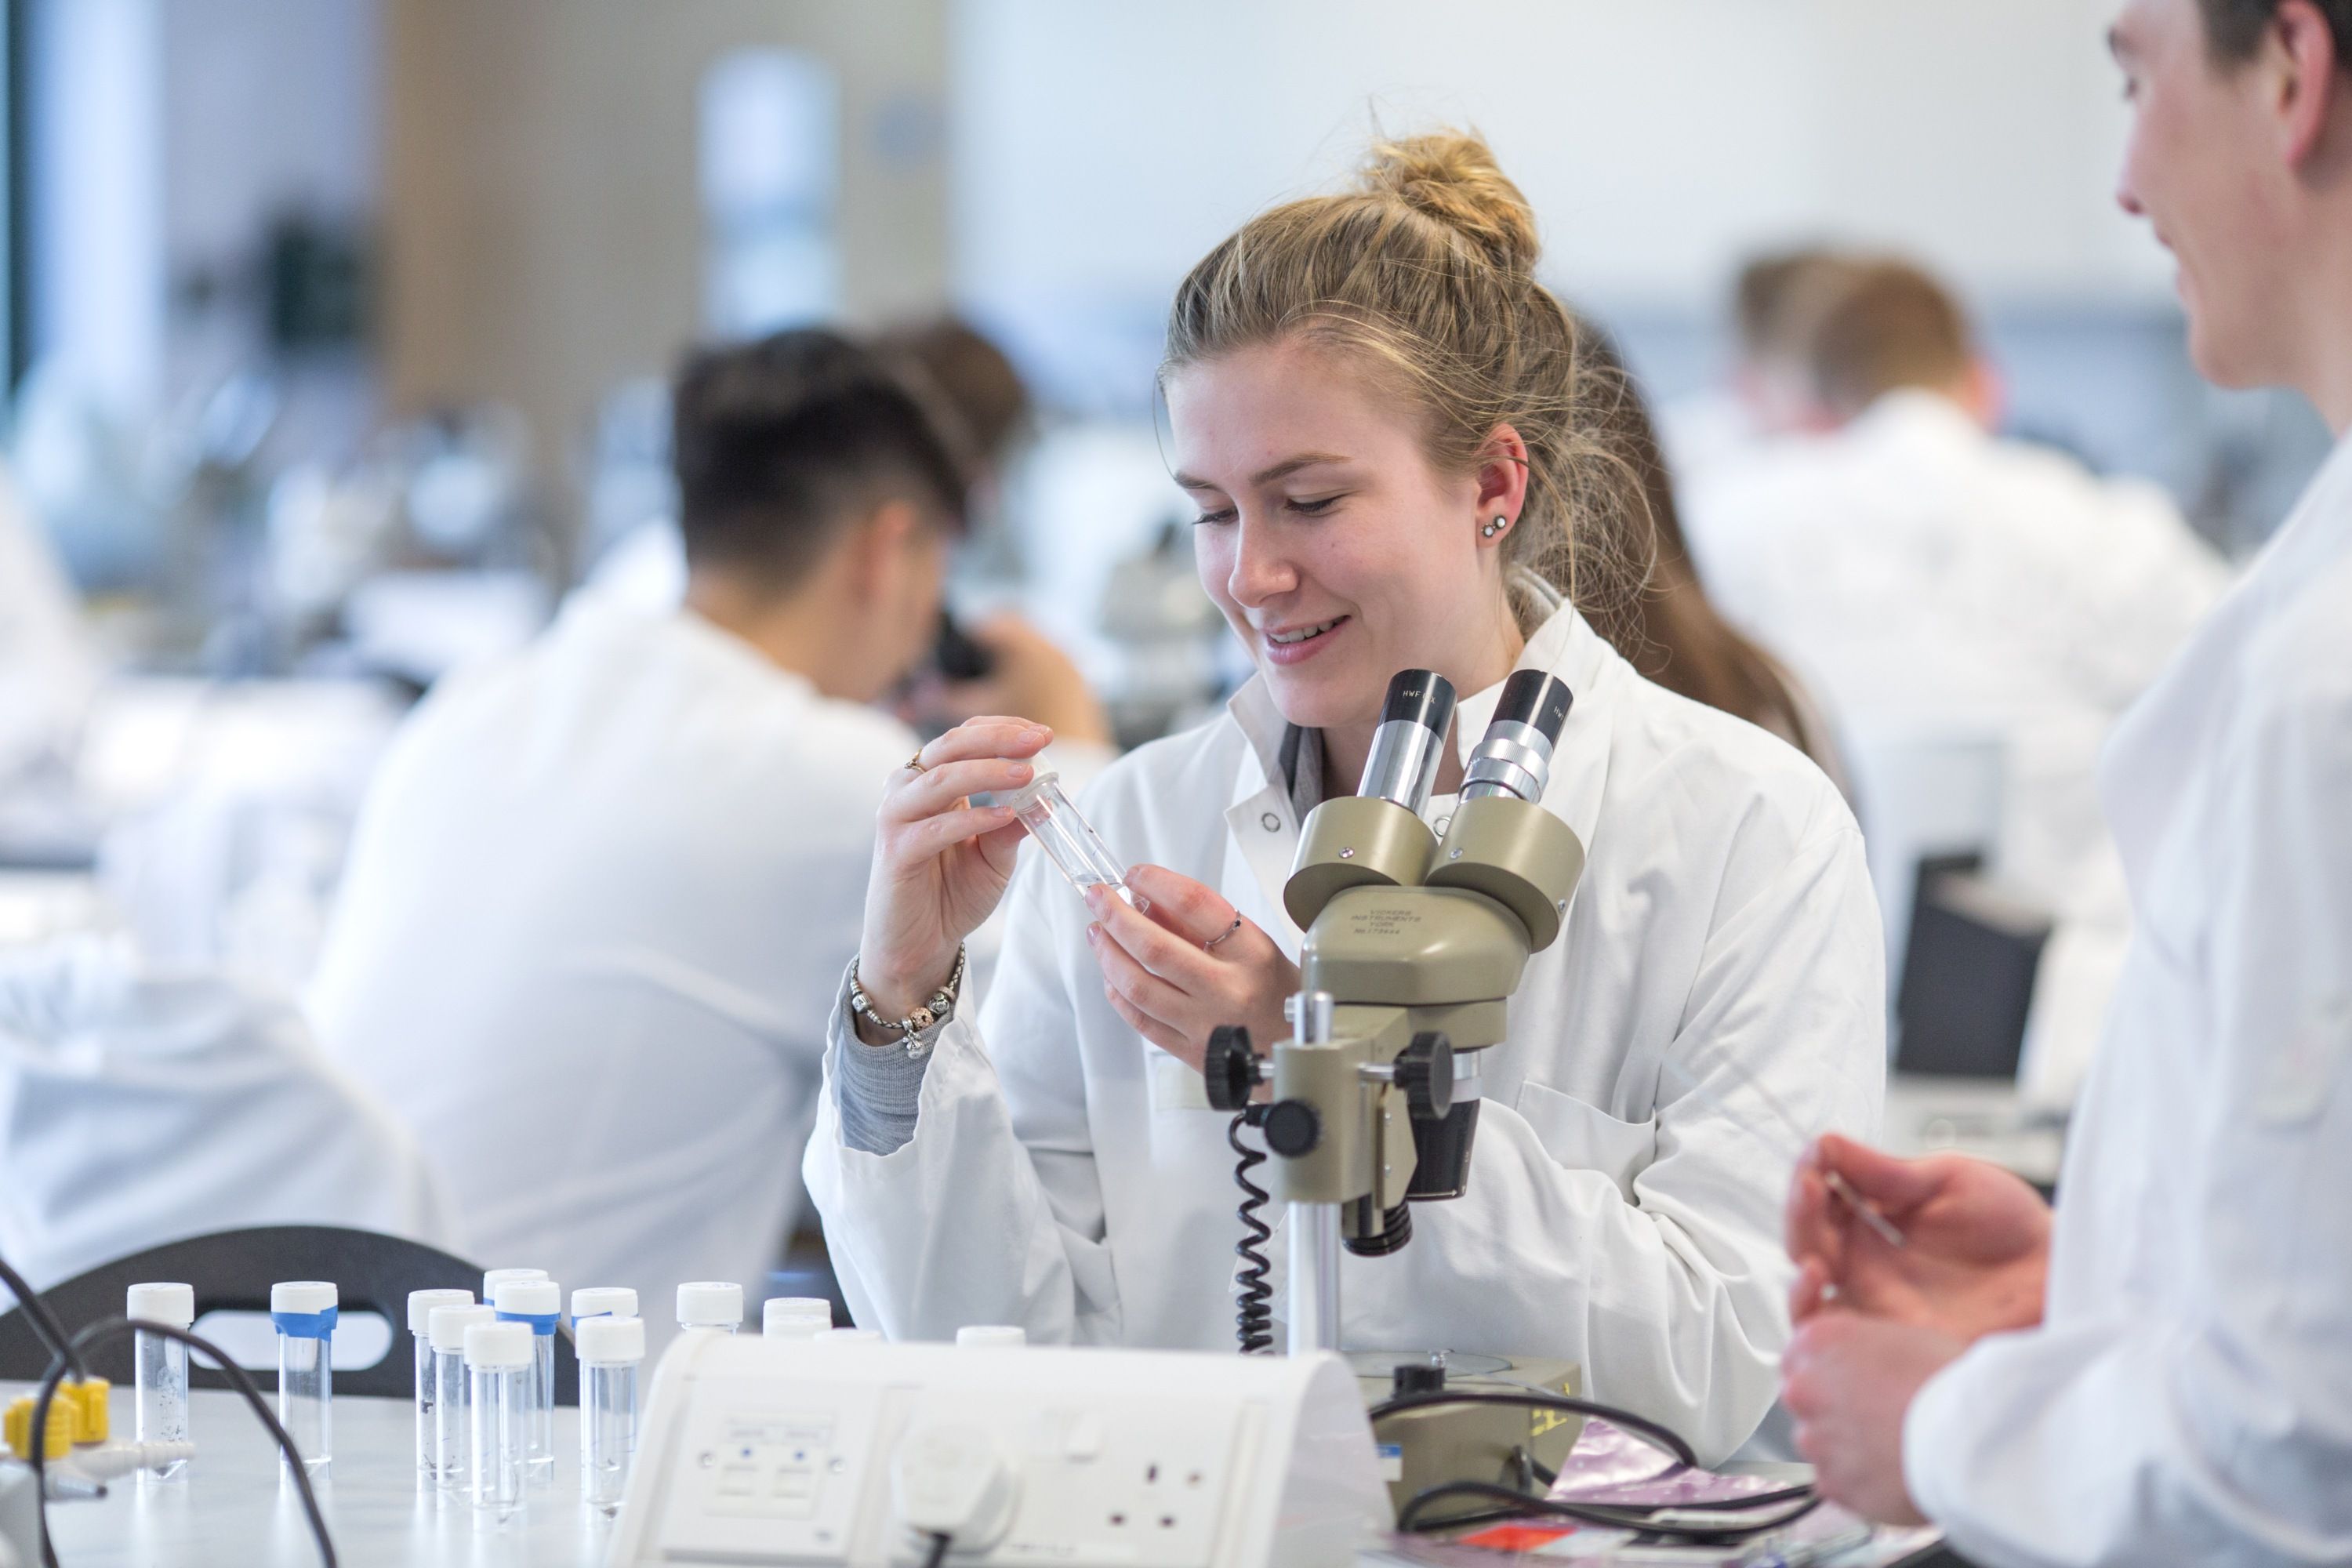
<point>1410,739</point>
<point>1513,757</point>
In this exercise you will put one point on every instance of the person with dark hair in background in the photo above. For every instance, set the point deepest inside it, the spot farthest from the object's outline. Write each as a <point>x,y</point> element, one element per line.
<point>601,893</point>
<point>2162,1371</point>
<point>1671,632</point>
<point>999,663</point>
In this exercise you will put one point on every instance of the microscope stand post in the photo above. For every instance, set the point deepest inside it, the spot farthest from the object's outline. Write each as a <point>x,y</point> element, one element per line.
<point>1314,1277</point>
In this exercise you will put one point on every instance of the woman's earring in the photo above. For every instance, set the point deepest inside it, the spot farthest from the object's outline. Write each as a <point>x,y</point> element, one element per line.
<point>1495,528</point>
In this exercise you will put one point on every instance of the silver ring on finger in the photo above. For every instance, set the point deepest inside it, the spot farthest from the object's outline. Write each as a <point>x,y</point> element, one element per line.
<point>1223,934</point>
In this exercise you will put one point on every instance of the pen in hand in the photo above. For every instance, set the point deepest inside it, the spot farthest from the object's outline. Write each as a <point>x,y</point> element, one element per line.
<point>1864,1208</point>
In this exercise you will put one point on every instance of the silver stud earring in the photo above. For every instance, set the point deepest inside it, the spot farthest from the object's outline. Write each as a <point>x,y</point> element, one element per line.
<point>1495,528</point>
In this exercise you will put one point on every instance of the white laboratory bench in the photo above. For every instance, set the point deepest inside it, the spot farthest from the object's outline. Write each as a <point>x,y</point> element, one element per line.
<point>232,1509</point>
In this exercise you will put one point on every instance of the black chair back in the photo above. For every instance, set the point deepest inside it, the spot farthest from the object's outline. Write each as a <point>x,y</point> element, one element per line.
<point>232,1270</point>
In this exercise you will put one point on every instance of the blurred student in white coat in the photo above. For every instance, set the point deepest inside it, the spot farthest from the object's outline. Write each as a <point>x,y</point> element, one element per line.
<point>2163,1373</point>
<point>1380,415</point>
<point>1937,582</point>
<point>601,894</point>
<point>48,668</point>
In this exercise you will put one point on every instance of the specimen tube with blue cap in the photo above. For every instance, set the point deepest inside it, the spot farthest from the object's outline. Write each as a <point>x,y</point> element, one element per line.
<point>304,1313</point>
<point>538,1305</point>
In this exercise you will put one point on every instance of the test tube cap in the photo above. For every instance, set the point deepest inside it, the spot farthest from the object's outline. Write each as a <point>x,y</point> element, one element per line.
<point>421,1302</point>
<point>174,1305</point>
<point>537,1298</point>
<point>604,1301</point>
<point>605,1341</point>
<point>447,1326</point>
<point>302,1296</point>
<point>498,1345</point>
<point>991,1336</point>
<point>709,1301</point>
<point>497,1276</point>
<point>805,1315</point>
<point>1020,800</point>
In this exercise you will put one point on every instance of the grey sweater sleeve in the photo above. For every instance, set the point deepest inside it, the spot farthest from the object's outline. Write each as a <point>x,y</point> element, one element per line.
<point>876,1088</point>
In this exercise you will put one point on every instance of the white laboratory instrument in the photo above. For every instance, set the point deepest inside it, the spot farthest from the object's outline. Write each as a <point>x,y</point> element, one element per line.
<point>758,1451</point>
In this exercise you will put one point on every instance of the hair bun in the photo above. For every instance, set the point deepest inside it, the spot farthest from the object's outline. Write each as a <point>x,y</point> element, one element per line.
<point>1451,177</point>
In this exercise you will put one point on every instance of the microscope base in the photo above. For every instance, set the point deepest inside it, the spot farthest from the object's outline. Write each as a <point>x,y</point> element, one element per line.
<point>1423,1449</point>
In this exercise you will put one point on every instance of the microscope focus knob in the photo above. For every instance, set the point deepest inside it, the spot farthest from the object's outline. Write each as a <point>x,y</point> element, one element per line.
<point>1424,1070</point>
<point>1231,1067</point>
<point>1293,1128</point>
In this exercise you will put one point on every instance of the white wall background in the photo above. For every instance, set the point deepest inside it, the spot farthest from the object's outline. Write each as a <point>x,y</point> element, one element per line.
<point>1101,148</point>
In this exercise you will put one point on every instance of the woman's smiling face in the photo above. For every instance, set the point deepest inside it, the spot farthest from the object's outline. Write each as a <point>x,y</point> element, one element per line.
<point>1338,555</point>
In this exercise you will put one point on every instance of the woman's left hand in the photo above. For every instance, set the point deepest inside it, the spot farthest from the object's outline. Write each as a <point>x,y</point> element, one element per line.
<point>1164,978</point>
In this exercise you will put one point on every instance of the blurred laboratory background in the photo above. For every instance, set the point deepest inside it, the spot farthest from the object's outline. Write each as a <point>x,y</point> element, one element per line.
<point>339,332</point>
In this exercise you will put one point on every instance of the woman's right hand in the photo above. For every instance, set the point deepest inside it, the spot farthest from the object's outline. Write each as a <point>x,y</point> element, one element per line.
<point>940,862</point>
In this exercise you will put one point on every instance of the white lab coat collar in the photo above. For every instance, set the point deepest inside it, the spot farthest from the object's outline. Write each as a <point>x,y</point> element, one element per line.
<point>1564,645</point>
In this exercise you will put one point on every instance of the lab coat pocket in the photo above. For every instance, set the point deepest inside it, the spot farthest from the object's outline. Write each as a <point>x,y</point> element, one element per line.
<point>1585,1138</point>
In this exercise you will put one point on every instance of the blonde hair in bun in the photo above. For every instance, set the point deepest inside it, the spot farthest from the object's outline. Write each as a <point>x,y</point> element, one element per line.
<point>1424,273</point>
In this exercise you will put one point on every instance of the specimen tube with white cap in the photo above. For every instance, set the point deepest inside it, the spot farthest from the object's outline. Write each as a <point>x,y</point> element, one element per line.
<point>159,1370</point>
<point>710,1304</point>
<point>453,1401</point>
<point>428,1389</point>
<point>610,1349</point>
<point>498,1371</point>
<point>538,1305</point>
<point>304,1312</point>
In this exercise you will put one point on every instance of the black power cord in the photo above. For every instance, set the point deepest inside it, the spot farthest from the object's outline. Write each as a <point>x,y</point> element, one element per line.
<point>1254,1315</point>
<point>1520,1504</point>
<point>108,1329</point>
<point>45,1327</point>
<point>938,1551</point>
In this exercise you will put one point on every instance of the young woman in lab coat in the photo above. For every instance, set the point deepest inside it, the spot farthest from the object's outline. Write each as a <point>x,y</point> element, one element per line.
<point>1377,411</point>
<point>2161,1372</point>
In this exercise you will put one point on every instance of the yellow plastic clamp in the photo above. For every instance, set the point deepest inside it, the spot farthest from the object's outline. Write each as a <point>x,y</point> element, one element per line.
<point>88,1400</point>
<point>19,1428</point>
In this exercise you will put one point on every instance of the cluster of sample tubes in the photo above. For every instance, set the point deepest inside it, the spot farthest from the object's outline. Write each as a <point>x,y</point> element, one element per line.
<point>485,1375</point>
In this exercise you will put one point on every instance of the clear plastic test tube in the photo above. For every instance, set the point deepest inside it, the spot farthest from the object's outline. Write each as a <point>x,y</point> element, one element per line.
<point>160,1373</point>
<point>1077,850</point>
<point>538,1305</point>
<point>610,1349</point>
<point>429,1390</point>
<point>452,1409</point>
<point>304,1313</point>
<point>710,1304</point>
<point>497,1374</point>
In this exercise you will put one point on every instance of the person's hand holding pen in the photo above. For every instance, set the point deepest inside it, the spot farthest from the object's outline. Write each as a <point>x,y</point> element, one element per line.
<point>1944,1242</point>
<point>1901,1264</point>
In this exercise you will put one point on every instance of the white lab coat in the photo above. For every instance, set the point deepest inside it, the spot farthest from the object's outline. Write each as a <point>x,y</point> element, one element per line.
<point>49,671</point>
<point>140,1106</point>
<point>597,907</point>
<point>1930,579</point>
<point>1715,1002</point>
<point>2188,1397</point>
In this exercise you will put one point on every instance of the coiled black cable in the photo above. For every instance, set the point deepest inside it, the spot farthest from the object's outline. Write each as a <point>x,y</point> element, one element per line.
<point>1253,1318</point>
